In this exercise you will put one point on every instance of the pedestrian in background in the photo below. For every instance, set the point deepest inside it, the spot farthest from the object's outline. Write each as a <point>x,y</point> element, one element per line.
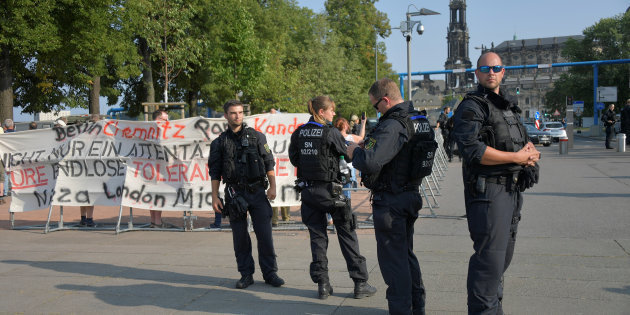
<point>625,121</point>
<point>609,119</point>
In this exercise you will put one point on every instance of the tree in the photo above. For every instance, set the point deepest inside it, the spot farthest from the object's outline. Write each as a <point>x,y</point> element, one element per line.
<point>167,30</point>
<point>608,39</point>
<point>27,30</point>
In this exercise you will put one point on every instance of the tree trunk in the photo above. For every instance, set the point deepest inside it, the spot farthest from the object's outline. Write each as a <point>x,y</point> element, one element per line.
<point>192,103</point>
<point>6,85</point>
<point>95,93</point>
<point>147,70</point>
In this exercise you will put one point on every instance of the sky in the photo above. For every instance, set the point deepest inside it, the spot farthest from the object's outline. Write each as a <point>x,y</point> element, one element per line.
<point>488,21</point>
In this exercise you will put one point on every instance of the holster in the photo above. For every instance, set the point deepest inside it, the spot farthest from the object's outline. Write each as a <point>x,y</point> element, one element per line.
<point>236,205</point>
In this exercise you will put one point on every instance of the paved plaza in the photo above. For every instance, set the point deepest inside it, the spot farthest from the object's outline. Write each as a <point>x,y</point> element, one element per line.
<point>572,255</point>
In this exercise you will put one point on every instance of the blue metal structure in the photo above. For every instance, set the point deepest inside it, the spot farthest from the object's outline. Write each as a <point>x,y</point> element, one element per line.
<point>595,64</point>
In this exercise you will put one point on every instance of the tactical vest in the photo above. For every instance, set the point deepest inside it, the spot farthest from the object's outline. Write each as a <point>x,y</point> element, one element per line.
<point>414,161</point>
<point>317,161</point>
<point>502,131</point>
<point>242,163</point>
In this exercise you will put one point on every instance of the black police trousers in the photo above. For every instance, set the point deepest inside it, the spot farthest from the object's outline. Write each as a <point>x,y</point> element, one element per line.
<point>316,200</point>
<point>260,211</point>
<point>394,218</point>
<point>448,143</point>
<point>610,136</point>
<point>493,218</point>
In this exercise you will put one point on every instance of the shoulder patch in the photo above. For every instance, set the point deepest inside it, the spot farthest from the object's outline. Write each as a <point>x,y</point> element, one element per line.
<point>267,148</point>
<point>369,143</point>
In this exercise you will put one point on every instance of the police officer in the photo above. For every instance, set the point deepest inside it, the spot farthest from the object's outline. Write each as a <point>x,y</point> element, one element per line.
<point>385,161</point>
<point>315,150</point>
<point>496,154</point>
<point>241,157</point>
<point>443,124</point>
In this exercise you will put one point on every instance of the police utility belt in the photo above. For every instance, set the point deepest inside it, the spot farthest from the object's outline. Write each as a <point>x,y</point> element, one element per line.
<point>250,187</point>
<point>510,181</point>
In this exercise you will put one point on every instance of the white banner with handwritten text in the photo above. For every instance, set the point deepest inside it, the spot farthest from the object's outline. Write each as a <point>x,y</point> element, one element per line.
<point>147,165</point>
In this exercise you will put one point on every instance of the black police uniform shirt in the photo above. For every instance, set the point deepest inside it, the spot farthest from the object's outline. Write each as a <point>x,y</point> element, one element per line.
<point>215,161</point>
<point>469,118</point>
<point>383,143</point>
<point>334,139</point>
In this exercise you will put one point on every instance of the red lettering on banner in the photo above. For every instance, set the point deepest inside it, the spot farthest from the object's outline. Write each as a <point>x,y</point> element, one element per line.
<point>159,175</point>
<point>107,124</point>
<point>277,129</point>
<point>257,126</point>
<point>138,164</point>
<point>166,125</point>
<point>28,178</point>
<point>281,165</point>
<point>180,128</point>
<point>198,173</point>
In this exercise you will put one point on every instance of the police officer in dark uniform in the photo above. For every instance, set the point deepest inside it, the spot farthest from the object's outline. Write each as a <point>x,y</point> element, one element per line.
<point>385,161</point>
<point>625,121</point>
<point>443,124</point>
<point>241,156</point>
<point>499,163</point>
<point>315,150</point>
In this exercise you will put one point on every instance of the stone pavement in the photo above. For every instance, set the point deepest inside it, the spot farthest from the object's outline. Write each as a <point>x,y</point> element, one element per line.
<point>572,256</point>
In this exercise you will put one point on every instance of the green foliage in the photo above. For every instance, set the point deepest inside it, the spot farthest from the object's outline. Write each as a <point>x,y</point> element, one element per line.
<point>278,54</point>
<point>608,39</point>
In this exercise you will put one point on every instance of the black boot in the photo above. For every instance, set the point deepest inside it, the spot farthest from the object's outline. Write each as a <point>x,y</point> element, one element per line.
<point>245,282</point>
<point>324,289</point>
<point>362,289</point>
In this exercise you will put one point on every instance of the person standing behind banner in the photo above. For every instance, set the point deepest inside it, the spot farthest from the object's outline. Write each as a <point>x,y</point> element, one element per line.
<point>385,162</point>
<point>315,150</point>
<point>499,164</point>
<point>159,115</point>
<point>241,157</point>
<point>87,212</point>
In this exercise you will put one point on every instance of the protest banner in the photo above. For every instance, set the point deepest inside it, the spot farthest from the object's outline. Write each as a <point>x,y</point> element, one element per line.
<point>146,165</point>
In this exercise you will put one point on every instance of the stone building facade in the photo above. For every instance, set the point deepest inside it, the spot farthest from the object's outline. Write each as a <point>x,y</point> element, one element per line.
<point>457,40</point>
<point>534,83</point>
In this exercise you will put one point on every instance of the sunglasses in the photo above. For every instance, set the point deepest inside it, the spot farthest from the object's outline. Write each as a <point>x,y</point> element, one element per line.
<point>376,104</point>
<point>486,69</point>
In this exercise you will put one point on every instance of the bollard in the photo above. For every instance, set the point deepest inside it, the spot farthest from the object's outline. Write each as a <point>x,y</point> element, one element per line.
<point>563,144</point>
<point>621,142</point>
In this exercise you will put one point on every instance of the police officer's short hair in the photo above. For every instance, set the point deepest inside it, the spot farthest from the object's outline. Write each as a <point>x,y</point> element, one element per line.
<point>158,113</point>
<point>231,103</point>
<point>384,87</point>
<point>32,125</point>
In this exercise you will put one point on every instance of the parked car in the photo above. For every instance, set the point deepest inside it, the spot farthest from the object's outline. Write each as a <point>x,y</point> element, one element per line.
<point>538,136</point>
<point>556,128</point>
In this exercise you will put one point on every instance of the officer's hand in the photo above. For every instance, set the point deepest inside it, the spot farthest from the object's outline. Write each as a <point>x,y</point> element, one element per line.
<point>271,193</point>
<point>216,205</point>
<point>350,150</point>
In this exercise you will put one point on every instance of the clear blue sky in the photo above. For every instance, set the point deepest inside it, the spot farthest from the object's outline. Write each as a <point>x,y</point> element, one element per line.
<point>488,21</point>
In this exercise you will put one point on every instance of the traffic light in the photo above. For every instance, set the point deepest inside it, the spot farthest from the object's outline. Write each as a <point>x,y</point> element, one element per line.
<point>569,100</point>
<point>518,90</point>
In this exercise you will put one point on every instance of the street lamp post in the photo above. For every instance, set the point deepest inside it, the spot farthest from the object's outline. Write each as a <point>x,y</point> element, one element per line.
<point>406,27</point>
